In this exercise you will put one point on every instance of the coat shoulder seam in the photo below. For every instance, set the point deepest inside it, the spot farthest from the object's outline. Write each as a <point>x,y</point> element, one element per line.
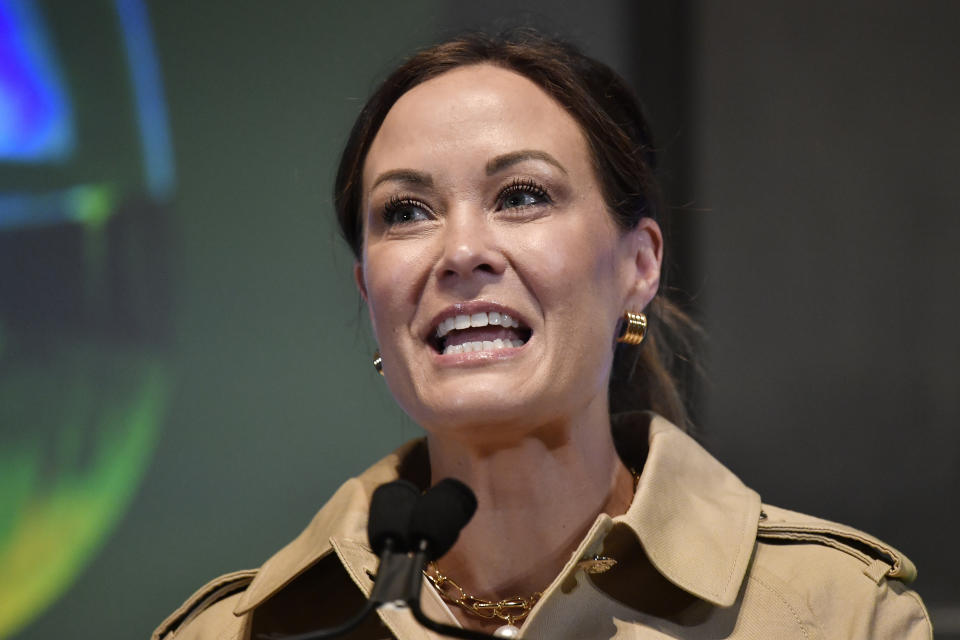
<point>205,597</point>
<point>788,527</point>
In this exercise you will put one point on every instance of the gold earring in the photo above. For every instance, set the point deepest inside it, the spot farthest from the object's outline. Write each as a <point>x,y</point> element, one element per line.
<point>634,328</point>
<point>378,362</point>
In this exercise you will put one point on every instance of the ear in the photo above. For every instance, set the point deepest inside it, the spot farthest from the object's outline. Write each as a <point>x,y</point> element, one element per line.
<point>362,288</point>
<point>646,249</point>
<point>358,278</point>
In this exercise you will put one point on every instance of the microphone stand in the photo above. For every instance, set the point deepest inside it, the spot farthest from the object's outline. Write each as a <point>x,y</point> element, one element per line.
<point>413,601</point>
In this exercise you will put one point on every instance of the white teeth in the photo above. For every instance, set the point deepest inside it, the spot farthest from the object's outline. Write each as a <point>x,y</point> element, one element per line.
<point>486,345</point>
<point>464,321</point>
<point>445,327</point>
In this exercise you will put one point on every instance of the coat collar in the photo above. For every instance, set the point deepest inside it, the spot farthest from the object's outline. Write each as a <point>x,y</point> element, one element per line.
<point>695,519</point>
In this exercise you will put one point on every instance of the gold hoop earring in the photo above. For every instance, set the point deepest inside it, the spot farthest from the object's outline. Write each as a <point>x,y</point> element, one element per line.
<point>378,362</point>
<point>633,329</point>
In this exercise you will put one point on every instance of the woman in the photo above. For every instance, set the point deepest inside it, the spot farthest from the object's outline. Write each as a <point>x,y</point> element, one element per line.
<point>498,194</point>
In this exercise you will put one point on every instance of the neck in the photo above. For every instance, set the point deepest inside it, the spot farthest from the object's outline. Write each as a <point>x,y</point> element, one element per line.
<point>537,497</point>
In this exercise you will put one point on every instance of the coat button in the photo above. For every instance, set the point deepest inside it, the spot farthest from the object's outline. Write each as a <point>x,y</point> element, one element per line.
<point>597,564</point>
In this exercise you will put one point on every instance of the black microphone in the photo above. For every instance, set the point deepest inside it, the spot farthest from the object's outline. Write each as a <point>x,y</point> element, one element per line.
<point>437,519</point>
<point>391,510</point>
<point>439,516</point>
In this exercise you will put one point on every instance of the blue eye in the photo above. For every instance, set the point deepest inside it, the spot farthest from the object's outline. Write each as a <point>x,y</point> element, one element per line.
<point>519,199</point>
<point>401,210</point>
<point>521,193</point>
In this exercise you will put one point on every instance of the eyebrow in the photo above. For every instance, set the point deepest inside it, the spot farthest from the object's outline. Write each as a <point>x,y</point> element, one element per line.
<point>408,176</point>
<point>509,159</point>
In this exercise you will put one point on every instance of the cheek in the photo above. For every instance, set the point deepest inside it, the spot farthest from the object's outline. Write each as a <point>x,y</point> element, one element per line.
<point>573,265</point>
<point>573,276</point>
<point>392,277</point>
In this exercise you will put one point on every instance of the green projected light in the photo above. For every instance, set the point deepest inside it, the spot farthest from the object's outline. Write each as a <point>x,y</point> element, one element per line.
<point>85,425</point>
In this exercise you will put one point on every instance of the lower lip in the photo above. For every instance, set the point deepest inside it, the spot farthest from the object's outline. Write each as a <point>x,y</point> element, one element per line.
<point>477,357</point>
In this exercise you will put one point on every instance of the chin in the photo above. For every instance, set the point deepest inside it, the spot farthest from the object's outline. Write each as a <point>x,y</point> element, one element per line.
<point>486,415</point>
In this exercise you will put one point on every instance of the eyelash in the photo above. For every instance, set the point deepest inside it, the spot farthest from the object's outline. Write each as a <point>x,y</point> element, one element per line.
<point>524,185</point>
<point>398,203</point>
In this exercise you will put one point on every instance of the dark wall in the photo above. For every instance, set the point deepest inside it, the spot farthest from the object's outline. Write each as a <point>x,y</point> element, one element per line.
<point>827,159</point>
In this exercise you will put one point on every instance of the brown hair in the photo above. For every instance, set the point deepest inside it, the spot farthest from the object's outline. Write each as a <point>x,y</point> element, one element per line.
<point>624,160</point>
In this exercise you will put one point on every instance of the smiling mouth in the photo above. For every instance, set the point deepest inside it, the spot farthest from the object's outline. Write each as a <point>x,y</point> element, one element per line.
<point>482,331</point>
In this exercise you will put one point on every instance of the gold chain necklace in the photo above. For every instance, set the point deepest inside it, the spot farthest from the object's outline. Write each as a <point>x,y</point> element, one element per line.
<point>510,610</point>
<point>513,609</point>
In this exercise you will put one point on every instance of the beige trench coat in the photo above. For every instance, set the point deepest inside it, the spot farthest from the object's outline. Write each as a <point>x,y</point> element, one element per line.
<point>698,556</point>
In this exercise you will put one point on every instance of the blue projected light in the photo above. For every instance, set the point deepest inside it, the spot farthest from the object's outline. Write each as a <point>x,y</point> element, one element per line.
<point>36,118</point>
<point>36,124</point>
<point>148,94</point>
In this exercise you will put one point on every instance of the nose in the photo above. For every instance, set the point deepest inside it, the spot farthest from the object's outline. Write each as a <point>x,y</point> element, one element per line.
<point>470,248</point>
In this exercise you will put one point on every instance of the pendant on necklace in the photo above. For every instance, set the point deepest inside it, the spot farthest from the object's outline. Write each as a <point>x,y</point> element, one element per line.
<point>507,631</point>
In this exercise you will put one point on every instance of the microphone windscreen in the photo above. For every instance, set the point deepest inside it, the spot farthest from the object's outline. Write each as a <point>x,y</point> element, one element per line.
<point>440,514</point>
<point>390,509</point>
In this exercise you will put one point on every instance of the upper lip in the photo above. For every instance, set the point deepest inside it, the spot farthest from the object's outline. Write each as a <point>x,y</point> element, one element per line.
<point>469,308</point>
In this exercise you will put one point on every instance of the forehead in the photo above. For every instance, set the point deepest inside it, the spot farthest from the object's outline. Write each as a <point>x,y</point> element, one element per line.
<point>469,115</point>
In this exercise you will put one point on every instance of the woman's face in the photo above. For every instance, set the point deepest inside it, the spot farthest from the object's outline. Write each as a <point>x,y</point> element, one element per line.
<point>493,272</point>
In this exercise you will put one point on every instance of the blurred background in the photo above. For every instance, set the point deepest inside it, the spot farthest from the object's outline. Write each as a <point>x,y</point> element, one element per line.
<point>184,363</point>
